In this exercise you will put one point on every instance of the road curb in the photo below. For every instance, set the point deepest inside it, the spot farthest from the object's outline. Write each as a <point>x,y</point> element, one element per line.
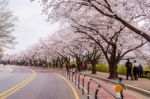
<point>139,90</point>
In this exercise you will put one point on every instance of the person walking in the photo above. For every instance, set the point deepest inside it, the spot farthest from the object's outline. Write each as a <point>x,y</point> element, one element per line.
<point>140,71</point>
<point>135,70</point>
<point>68,69</point>
<point>128,69</point>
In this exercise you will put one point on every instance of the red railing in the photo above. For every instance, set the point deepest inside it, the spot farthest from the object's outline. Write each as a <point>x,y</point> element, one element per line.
<point>86,84</point>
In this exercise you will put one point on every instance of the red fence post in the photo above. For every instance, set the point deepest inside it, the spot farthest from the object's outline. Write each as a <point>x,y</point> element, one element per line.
<point>79,81</point>
<point>88,89</point>
<point>83,84</point>
<point>96,92</point>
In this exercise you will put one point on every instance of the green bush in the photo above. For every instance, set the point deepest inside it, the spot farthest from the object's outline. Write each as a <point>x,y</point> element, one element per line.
<point>121,69</point>
<point>146,68</point>
<point>102,67</point>
<point>72,62</point>
<point>105,68</point>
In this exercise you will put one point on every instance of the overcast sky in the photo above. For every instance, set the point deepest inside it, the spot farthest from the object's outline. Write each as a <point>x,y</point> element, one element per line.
<point>31,26</point>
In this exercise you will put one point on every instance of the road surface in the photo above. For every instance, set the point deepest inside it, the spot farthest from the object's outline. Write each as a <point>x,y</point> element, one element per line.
<point>22,83</point>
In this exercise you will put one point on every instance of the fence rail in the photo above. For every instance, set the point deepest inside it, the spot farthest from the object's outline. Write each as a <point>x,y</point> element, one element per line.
<point>87,85</point>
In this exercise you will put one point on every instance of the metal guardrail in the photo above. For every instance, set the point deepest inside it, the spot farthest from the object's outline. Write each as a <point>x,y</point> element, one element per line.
<point>76,78</point>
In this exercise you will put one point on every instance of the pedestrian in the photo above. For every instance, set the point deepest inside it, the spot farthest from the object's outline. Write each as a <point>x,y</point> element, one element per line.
<point>73,68</point>
<point>121,83</point>
<point>140,71</point>
<point>67,68</point>
<point>135,70</point>
<point>128,69</point>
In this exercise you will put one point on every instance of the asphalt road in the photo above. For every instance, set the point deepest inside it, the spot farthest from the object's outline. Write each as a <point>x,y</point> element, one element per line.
<point>44,85</point>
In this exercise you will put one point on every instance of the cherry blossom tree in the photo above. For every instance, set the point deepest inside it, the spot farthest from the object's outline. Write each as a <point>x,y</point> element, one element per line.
<point>113,39</point>
<point>94,55</point>
<point>65,43</point>
<point>54,49</point>
<point>127,13</point>
<point>62,45</point>
<point>112,25</point>
<point>7,21</point>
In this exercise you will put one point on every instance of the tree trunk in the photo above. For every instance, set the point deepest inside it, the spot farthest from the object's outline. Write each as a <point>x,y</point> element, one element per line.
<point>61,64</point>
<point>113,72</point>
<point>78,65</point>
<point>93,68</point>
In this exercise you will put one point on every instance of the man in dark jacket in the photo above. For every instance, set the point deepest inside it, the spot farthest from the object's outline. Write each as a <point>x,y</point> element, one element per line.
<point>129,69</point>
<point>140,71</point>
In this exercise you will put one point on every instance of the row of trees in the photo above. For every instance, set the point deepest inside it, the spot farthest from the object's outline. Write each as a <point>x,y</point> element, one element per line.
<point>67,45</point>
<point>112,25</point>
<point>94,30</point>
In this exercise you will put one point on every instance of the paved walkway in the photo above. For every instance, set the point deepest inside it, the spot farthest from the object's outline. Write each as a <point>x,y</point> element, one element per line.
<point>142,83</point>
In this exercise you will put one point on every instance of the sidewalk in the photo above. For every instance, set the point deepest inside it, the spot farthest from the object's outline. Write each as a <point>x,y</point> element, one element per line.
<point>141,83</point>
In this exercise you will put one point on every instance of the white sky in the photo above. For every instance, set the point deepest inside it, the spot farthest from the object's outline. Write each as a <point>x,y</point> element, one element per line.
<point>31,26</point>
